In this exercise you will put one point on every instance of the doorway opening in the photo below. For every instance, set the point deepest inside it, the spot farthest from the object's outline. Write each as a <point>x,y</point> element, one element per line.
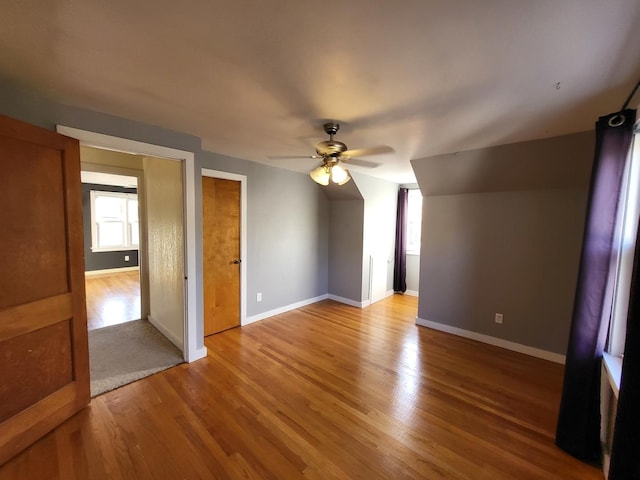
<point>129,223</point>
<point>111,242</point>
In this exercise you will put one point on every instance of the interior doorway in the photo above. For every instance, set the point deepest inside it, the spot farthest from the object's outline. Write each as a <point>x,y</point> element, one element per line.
<point>111,228</point>
<point>132,223</point>
<point>193,347</point>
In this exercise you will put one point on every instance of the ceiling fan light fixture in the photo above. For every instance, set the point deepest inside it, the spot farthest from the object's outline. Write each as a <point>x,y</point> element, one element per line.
<point>339,175</point>
<point>348,177</point>
<point>320,175</point>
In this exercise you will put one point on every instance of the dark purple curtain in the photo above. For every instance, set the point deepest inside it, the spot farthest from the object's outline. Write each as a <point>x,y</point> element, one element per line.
<point>578,430</point>
<point>625,458</point>
<point>400,268</point>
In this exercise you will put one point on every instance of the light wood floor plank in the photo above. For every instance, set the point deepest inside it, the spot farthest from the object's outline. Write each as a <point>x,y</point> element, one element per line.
<point>112,299</point>
<point>324,392</point>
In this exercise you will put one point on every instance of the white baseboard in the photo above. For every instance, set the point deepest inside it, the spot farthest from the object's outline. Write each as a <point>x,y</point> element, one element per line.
<point>498,342</point>
<point>170,335</point>
<point>109,271</point>
<point>348,301</point>
<point>387,294</point>
<point>286,308</point>
<point>411,293</point>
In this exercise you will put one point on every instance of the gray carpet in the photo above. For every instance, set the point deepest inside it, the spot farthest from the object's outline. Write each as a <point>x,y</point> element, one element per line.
<point>127,352</point>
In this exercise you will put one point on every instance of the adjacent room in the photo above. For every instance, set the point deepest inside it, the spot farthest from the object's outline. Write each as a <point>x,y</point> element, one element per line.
<point>111,244</point>
<point>372,240</point>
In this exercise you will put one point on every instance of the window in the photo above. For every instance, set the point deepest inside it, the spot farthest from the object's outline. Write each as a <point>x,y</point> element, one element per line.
<point>114,221</point>
<point>628,224</point>
<point>414,222</point>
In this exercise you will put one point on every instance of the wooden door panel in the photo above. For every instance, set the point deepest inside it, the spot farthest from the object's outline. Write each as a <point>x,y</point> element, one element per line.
<point>44,363</point>
<point>33,239</point>
<point>44,354</point>
<point>221,246</point>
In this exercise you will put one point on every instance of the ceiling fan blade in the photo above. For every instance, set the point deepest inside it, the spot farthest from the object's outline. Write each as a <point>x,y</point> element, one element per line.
<point>360,163</point>
<point>361,152</point>
<point>289,157</point>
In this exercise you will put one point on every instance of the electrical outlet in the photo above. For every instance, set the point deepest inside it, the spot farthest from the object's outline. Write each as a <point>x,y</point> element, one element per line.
<point>499,318</point>
<point>259,297</point>
<point>126,258</point>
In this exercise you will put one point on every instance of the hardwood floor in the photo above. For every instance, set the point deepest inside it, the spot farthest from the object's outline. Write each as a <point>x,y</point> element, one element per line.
<point>112,299</point>
<point>324,392</point>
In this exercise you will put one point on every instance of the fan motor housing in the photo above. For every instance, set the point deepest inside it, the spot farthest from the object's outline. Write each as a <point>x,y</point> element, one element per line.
<point>330,147</point>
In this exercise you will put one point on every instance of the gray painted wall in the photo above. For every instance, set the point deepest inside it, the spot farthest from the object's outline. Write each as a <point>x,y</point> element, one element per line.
<point>30,107</point>
<point>513,252</point>
<point>346,239</point>
<point>557,162</point>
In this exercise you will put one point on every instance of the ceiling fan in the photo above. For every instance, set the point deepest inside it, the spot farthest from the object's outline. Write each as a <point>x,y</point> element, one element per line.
<point>332,153</point>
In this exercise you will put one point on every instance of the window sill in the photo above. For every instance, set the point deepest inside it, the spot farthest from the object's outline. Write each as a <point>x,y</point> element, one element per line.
<point>115,249</point>
<point>417,254</point>
<point>613,367</point>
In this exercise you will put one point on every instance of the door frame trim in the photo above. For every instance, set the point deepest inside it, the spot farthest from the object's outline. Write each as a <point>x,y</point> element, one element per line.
<point>207,172</point>
<point>192,333</point>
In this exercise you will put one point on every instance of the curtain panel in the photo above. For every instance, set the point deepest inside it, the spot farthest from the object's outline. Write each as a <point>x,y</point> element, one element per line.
<point>400,267</point>
<point>578,429</point>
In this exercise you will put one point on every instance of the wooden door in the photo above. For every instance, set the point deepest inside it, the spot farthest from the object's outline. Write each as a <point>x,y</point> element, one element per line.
<point>44,358</point>
<point>221,254</point>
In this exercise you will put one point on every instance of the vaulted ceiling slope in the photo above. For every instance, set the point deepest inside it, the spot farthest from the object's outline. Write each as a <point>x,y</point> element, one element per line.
<point>258,79</point>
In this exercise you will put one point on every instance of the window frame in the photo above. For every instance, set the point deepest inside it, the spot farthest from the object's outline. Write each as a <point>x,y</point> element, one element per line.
<point>417,213</point>
<point>127,245</point>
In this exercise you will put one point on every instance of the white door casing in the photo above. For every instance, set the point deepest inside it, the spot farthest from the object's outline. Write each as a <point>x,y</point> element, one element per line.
<point>191,350</point>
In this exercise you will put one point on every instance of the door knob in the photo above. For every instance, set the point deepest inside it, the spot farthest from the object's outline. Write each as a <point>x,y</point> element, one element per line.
<point>236,261</point>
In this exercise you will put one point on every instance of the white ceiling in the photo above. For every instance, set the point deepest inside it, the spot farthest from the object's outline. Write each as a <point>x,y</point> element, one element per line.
<point>258,79</point>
